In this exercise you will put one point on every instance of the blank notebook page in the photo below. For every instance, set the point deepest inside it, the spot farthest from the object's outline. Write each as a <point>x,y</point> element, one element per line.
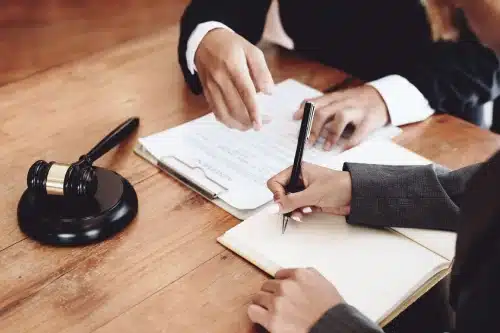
<point>374,270</point>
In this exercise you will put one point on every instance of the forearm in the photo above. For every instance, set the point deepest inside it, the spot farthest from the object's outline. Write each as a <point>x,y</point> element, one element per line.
<point>344,318</point>
<point>426,197</point>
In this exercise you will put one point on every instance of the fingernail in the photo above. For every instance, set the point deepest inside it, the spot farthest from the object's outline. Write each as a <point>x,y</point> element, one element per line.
<point>307,210</point>
<point>274,208</point>
<point>296,218</point>
<point>327,146</point>
<point>256,125</point>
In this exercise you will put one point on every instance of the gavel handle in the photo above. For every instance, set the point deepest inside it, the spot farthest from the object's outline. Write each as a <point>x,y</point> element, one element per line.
<point>114,138</point>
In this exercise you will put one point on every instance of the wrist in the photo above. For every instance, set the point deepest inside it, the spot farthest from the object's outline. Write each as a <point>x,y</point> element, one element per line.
<point>382,108</point>
<point>346,188</point>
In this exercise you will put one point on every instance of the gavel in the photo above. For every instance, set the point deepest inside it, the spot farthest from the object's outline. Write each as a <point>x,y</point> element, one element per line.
<point>78,179</point>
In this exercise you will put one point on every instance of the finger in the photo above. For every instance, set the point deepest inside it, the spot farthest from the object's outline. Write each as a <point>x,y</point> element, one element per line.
<point>360,133</point>
<point>336,127</point>
<point>270,286</point>
<point>277,183</point>
<point>235,108</point>
<point>220,109</point>
<point>297,216</point>
<point>322,117</point>
<point>259,315</point>
<point>307,210</point>
<point>209,100</point>
<point>246,90</point>
<point>263,299</point>
<point>293,202</point>
<point>286,273</point>
<point>320,102</point>
<point>259,71</point>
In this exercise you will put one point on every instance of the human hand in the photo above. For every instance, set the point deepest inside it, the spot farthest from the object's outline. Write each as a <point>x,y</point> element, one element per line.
<point>363,107</point>
<point>294,301</point>
<point>326,190</point>
<point>231,71</point>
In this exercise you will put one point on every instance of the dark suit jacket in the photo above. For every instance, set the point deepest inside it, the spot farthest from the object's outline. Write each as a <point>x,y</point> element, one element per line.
<point>466,200</point>
<point>367,39</point>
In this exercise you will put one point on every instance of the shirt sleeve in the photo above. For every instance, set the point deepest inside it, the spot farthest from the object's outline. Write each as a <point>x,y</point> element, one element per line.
<point>195,39</point>
<point>405,103</point>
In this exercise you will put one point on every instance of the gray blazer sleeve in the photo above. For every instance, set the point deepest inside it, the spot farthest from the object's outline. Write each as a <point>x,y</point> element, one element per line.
<point>344,318</point>
<point>426,197</point>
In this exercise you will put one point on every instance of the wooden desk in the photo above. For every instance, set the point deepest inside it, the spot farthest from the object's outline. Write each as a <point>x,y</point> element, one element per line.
<point>165,273</point>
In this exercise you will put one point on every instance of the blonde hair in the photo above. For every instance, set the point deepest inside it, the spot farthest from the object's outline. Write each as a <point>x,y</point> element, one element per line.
<point>440,14</point>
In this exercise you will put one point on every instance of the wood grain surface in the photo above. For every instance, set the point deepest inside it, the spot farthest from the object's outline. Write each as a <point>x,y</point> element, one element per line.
<point>165,272</point>
<point>37,35</point>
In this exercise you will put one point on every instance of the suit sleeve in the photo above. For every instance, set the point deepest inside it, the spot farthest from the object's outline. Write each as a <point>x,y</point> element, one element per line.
<point>425,197</point>
<point>247,18</point>
<point>456,77</point>
<point>344,318</point>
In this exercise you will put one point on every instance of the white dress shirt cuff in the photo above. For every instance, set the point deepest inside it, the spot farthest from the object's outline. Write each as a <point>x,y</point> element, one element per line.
<point>404,101</point>
<point>195,39</point>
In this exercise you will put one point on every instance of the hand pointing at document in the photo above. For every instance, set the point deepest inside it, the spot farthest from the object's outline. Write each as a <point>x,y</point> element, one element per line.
<point>232,71</point>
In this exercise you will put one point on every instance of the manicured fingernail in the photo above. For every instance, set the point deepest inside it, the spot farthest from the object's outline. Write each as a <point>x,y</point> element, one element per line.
<point>274,208</point>
<point>296,218</point>
<point>307,210</point>
<point>328,146</point>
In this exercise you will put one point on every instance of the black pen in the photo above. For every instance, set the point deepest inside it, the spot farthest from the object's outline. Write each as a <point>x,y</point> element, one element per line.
<point>295,184</point>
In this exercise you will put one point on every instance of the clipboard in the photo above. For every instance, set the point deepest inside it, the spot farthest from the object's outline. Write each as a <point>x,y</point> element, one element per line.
<point>199,183</point>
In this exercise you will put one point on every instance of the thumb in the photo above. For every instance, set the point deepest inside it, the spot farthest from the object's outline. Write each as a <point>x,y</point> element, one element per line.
<point>293,201</point>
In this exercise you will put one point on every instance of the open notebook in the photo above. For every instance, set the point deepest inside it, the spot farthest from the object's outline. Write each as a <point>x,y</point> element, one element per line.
<point>379,271</point>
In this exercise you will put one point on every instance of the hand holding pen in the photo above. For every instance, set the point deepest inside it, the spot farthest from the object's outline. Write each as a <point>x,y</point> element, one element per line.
<point>294,188</point>
<point>326,190</point>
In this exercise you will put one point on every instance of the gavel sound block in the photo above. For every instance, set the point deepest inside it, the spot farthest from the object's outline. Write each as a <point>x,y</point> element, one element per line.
<point>78,204</point>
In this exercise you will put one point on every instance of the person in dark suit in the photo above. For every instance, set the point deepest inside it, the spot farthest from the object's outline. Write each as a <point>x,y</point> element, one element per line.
<point>389,44</point>
<point>465,201</point>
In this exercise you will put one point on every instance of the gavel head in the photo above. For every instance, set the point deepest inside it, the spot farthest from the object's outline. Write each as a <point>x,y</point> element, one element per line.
<point>75,180</point>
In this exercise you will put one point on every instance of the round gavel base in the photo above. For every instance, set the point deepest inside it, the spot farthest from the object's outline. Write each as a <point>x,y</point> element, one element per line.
<point>57,220</point>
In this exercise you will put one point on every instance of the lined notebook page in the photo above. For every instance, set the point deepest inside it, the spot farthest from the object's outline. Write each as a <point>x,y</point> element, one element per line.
<point>374,270</point>
<point>389,153</point>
